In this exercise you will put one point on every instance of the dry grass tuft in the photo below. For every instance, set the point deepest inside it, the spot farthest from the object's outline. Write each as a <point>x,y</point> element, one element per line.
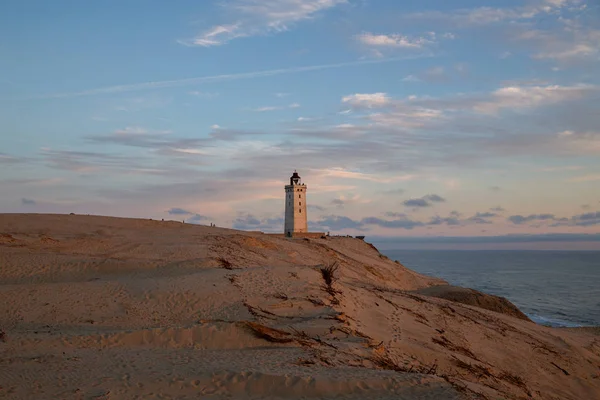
<point>515,380</point>
<point>328,272</point>
<point>475,369</point>
<point>444,342</point>
<point>386,361</point>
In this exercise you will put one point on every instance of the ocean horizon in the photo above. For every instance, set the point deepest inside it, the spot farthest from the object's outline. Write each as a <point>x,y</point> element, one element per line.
<point>559,288</point>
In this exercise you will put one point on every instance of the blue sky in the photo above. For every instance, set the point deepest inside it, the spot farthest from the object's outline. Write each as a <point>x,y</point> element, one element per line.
<point>428,118</point>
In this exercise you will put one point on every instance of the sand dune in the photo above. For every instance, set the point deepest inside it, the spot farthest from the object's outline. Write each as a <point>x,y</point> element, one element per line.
<point>112,308</point>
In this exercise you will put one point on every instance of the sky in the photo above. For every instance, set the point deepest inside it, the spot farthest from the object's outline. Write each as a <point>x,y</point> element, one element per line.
<point>404,119</point>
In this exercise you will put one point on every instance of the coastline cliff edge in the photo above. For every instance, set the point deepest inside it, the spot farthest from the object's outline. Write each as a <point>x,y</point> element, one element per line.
<point>104,307</point>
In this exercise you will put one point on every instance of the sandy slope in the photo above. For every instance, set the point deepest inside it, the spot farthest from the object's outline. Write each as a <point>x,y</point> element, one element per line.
<point>99,307</point>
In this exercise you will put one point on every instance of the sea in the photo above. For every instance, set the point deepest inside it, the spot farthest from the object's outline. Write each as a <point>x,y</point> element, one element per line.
<point>554,288</point>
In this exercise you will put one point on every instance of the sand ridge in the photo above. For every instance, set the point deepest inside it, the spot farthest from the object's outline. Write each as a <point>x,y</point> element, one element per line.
<point>102,307</point>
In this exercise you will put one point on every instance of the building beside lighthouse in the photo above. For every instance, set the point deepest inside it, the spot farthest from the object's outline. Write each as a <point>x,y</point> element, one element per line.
<point>295,207</point>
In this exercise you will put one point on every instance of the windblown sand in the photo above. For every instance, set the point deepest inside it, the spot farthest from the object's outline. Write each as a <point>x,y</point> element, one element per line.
<point>110,308</point>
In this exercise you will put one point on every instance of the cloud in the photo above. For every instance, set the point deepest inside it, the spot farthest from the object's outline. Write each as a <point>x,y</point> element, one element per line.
<point>587,219</point>
<point>434,74</point>
<point>425,201</point>
<point>314,207</point>
<point>416,203</point>
<point>399,223</point>
<point>497,209</point>
<point>140,137</point>
<point>394,192</point>
<point>342,173</point>
<point>216,36</point>
<point>246,221</point>
<point>485,215</point>
<point>482,16</point>
<point>571,41</point>
<point>337,223</point>
<point>411,78</point>
<point>198,93</point>
<point>451,221</point>
<point>367,100</point>
<point>435,198</point>
<point>87,161</point>
<point>338,202</point>
<point>275,108</point>
<point>216,78</point>
<point>520,219</point>
<point>342,201</point>
<point>392,214</point>
<point>219,133</point>
<point>393,41</point>
<point>179,211</point>
<point>28,202</point>
<point>197,218</point>
<point>454,219</point>
<point>404,137</point>
<point>586,178</point>
<point>8,159</point>
<point>260,17</point>
<point>523,97</point>
<point>33,181</point>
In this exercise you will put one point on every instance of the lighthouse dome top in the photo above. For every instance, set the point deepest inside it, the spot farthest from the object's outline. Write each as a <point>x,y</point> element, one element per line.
<point>295,179</point>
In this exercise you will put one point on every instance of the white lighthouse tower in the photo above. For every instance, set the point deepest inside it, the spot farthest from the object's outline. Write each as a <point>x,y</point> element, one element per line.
<point>295,206</point>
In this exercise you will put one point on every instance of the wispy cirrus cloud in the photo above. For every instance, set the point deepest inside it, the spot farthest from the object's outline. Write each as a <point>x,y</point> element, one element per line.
<point>531,96</point>
<point>572,39</point>
<point>480,16</point>
<point>154,85</point>
<point>8,159</point>
<point>586,178</point>
<point>260,17</point>
<point>350,199</point>
<point>342,173</point>
<point>379,44</point>
<point>276,108</point>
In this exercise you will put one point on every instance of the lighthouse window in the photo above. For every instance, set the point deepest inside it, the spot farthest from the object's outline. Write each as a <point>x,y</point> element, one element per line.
<point>300,211</point>
<point>299,203</point>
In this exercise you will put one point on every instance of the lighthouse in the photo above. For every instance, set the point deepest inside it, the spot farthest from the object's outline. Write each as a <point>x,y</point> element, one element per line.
<point>295,206</point>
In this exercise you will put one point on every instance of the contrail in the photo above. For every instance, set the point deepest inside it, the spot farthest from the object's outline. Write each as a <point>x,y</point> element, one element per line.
<point>221,78</point>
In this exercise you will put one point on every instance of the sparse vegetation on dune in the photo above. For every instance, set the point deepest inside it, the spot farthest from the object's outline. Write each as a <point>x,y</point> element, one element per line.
<point>127,312</point>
